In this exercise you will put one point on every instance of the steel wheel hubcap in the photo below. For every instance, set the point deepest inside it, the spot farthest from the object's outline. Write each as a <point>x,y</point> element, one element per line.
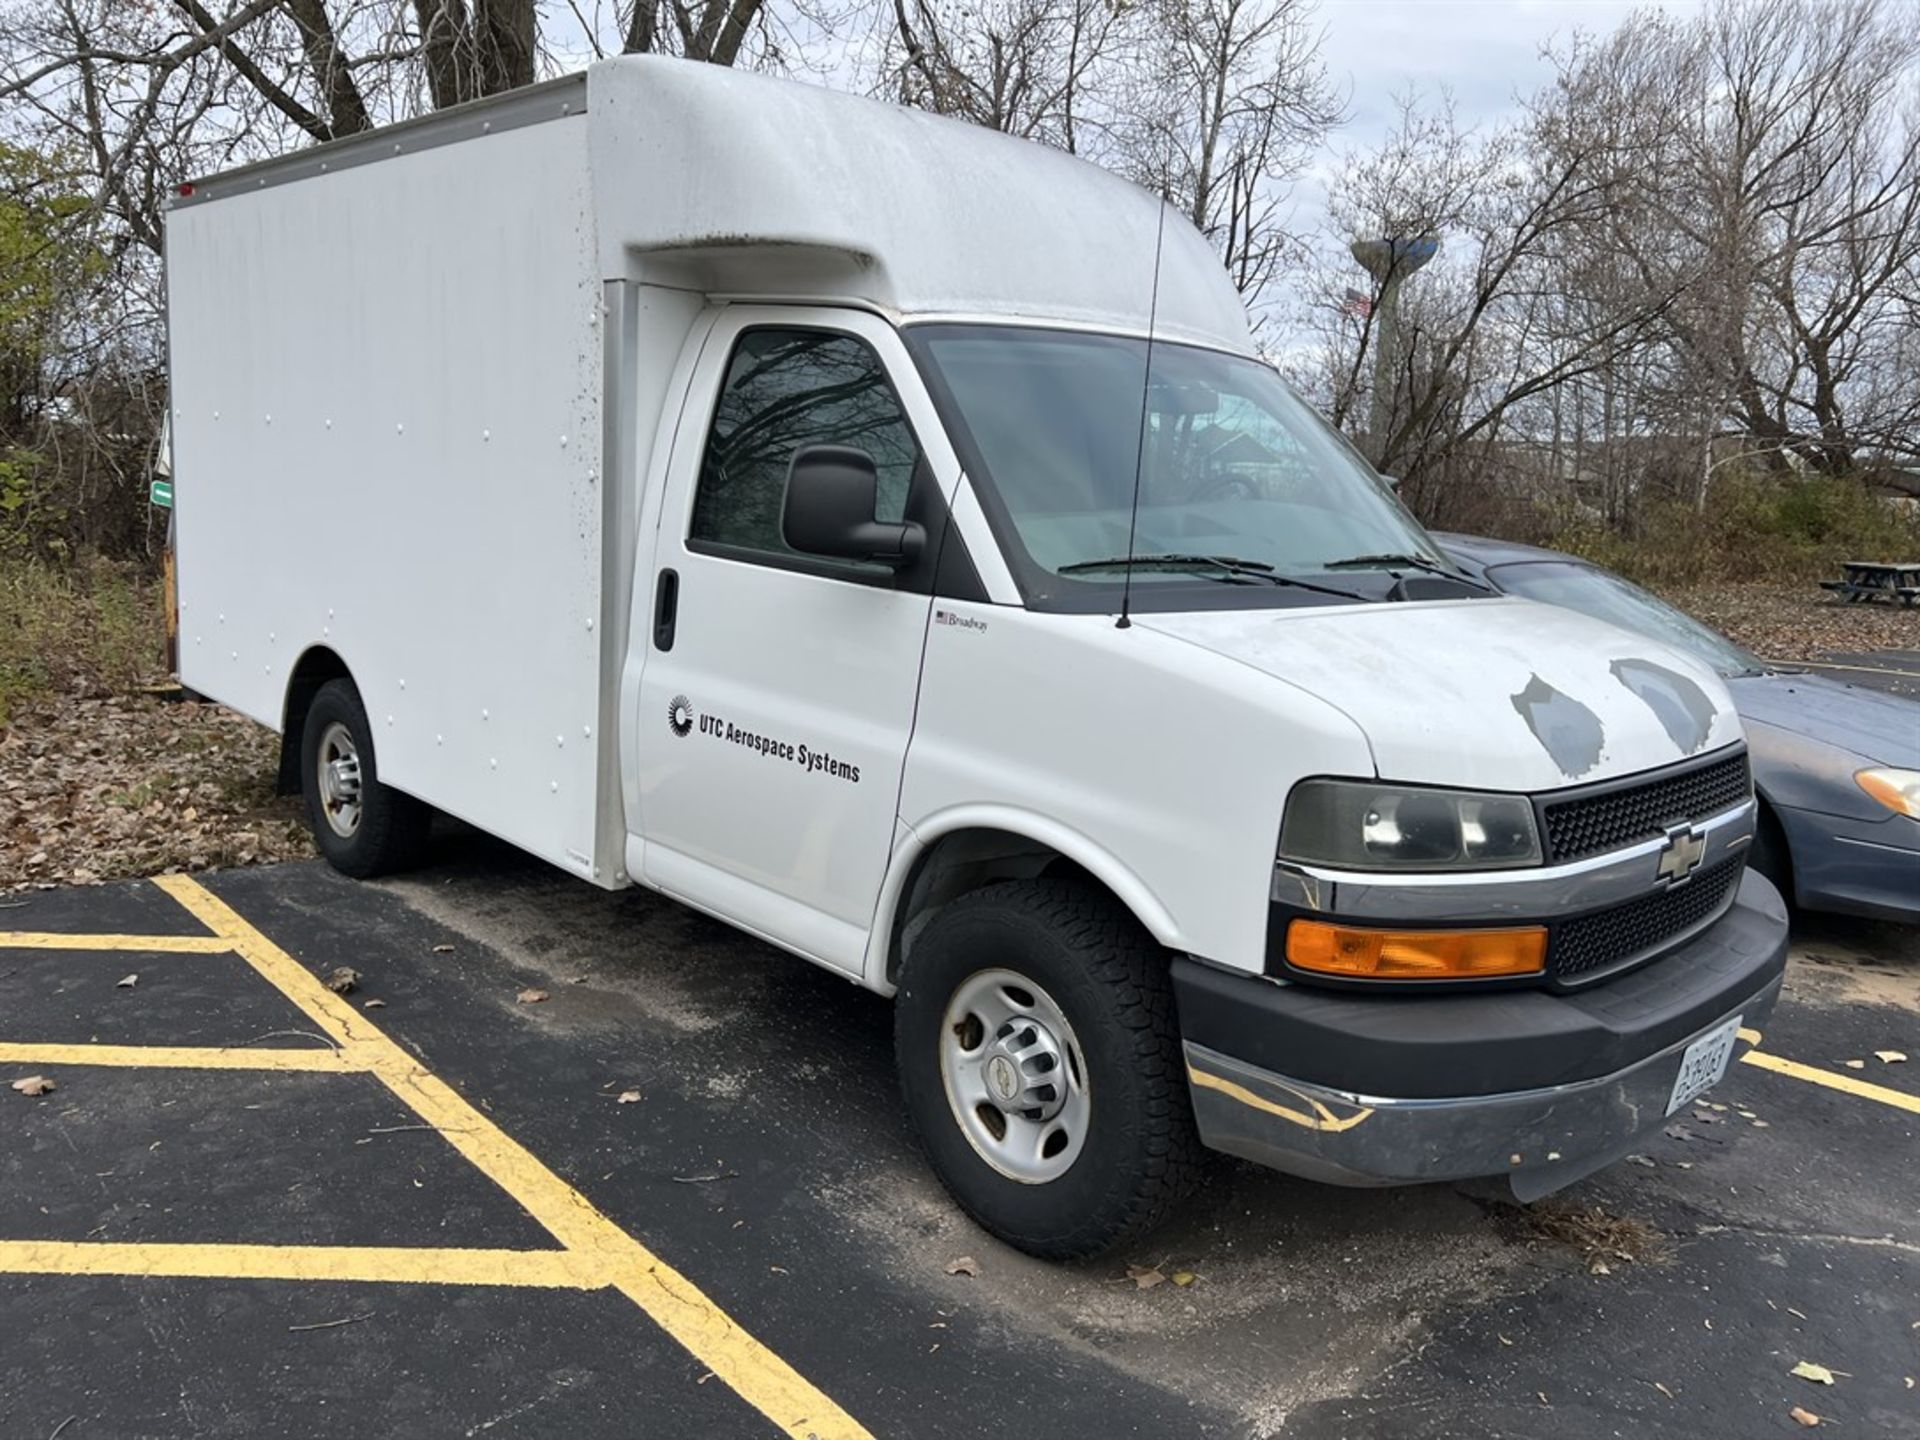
<point>338,773</point>
<point>1014,1076</point>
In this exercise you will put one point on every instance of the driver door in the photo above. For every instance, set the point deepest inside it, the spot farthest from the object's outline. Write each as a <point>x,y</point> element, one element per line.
<point>777,696</point>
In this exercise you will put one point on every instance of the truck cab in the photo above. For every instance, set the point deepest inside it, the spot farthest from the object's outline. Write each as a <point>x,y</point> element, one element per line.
<point>884,535</point>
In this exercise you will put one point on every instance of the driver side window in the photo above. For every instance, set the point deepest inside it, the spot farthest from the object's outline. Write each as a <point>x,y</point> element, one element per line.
<point>786,389</point>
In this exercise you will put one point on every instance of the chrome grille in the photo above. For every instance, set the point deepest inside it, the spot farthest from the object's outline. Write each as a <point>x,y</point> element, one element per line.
<point>1613,819</point>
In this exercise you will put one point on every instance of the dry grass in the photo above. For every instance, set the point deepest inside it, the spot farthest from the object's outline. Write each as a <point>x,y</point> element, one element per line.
<point>99,781</point>
<point>1797,621</point>
<point>1601,1239</point>
<point>95,628</point>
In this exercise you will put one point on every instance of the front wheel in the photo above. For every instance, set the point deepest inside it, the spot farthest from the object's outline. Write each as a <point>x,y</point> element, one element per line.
<point>1040,1058</point>
<point>1768,854</point>
<point>364,828</point>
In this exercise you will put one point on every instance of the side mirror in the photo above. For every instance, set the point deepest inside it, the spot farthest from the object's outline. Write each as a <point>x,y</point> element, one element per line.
<point>831,496</point>
<point>1392,482</point>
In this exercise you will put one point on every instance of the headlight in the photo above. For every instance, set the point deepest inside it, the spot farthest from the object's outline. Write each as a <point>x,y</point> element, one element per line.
<point>1898,790</point>
<point>1356,825</point>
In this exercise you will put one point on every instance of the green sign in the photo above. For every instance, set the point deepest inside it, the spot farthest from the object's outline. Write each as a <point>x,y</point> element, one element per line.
<point>161,494</point>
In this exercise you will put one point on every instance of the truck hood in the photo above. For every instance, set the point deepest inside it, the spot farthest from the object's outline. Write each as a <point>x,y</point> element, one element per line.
<point>1496,694</point>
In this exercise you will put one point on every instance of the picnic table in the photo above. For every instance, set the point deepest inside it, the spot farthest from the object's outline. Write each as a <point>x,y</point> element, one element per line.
<point>1876,580</point>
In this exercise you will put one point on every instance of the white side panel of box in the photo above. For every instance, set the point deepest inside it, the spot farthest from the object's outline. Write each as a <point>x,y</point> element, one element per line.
<point>387,435</point>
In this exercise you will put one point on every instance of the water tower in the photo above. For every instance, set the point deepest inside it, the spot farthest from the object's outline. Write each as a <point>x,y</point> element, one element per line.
<point>1390,261</point>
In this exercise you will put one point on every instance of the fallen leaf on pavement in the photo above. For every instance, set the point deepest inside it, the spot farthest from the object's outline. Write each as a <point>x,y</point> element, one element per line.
<point>628,1097</point>
<point>1804,1417</point>
<point>965,1265</point>
<point>1889,1057</point>
<point>1184,1278</point>
<point>531,997</point>
<point>1818,1374</point>
<point>1854,1064</point>
<point>443,949</point>
<point>35,1085</point>
<point>343,979</point>
<point>126,982</point>
<point>1145,1277</point>
<point>376,1004</point>
<point>1663,1389</point>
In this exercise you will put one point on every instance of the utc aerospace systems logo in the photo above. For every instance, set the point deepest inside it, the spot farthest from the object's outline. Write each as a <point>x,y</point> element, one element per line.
<point>680,716</point>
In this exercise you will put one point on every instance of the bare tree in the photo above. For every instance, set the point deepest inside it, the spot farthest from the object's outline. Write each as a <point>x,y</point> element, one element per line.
<point>1227,104</point>
<point>1019,66</point>
<point>1781,209</point>
<point>1492,334</point>
<point>1697,248</point>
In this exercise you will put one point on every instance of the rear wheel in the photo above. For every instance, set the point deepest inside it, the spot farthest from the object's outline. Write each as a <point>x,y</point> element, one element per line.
<point>364,828</point>
<point>1040,1058</point>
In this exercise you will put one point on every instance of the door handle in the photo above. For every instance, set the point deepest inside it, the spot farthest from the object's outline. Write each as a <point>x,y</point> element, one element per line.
<point>666,609</point>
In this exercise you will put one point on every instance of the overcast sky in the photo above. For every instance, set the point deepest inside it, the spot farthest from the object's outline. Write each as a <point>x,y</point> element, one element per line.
<point>1485,51</point>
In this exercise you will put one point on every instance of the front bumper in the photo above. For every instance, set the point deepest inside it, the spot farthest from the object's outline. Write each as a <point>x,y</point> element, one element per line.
<point>1854,866</point>
<point>1543,1088</point>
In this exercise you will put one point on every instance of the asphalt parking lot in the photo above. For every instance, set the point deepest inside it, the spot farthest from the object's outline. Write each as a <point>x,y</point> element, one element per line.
<point>1895,671</point>
<point>253,1207</point>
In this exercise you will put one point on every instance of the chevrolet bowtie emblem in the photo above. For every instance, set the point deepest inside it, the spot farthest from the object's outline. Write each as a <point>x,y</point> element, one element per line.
<point>1682,854</point>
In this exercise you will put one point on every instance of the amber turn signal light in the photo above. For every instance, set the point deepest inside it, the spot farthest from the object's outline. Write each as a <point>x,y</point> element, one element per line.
<point>1363,954</point>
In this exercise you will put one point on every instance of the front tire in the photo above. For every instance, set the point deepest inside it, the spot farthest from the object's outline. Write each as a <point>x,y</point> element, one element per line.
<point>1039,1054</point>
<point>364,828</point>
<point>1769,855</point>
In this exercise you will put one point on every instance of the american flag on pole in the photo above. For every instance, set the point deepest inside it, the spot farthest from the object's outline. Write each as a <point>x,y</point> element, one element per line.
<point>1356,303</point>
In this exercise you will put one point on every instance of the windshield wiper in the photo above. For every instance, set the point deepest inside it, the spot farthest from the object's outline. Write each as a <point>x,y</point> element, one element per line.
<point>1397,562</point>
<point>1239,572</point>
<point>1183,562</point>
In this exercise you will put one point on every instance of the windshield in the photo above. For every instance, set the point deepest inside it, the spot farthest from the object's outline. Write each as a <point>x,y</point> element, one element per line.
<point>1605,596</point>
<point>1239,482</point>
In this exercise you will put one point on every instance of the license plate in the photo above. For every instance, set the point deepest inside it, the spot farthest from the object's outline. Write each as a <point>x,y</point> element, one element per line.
<point>1704,1063</point>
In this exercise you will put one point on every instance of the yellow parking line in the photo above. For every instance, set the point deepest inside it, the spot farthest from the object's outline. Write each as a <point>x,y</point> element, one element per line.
<point>179,1057</point>
<point>1813,1075</point>
<point>1862,669</point>
<point>756,1373</point>
<point>551,1269</point>
<point>167,944</point>
<point>1865,1089</point>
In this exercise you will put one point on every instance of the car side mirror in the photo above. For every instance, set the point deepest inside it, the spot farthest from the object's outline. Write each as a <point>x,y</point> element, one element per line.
<point>1392,482</point>
<point>832,494</point>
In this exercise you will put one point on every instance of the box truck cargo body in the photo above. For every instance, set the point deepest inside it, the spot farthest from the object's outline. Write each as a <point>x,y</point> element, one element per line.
<point>882,534</point>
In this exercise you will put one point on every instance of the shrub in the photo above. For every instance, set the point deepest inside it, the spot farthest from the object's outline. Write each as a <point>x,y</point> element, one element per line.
<point>1754,527</point>
<point>96,626</point>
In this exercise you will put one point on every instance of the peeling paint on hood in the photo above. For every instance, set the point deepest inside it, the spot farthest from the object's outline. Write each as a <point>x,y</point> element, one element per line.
<point>1681,706</point>
<point>1497,694</point>
<point>1571,733</point>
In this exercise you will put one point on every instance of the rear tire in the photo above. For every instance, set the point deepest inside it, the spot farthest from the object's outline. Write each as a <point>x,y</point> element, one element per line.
<point>364,828</point>
<point>1039,1054</point>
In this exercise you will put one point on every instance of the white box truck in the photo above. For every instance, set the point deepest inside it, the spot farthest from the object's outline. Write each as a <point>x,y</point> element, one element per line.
<point>881,534</point>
